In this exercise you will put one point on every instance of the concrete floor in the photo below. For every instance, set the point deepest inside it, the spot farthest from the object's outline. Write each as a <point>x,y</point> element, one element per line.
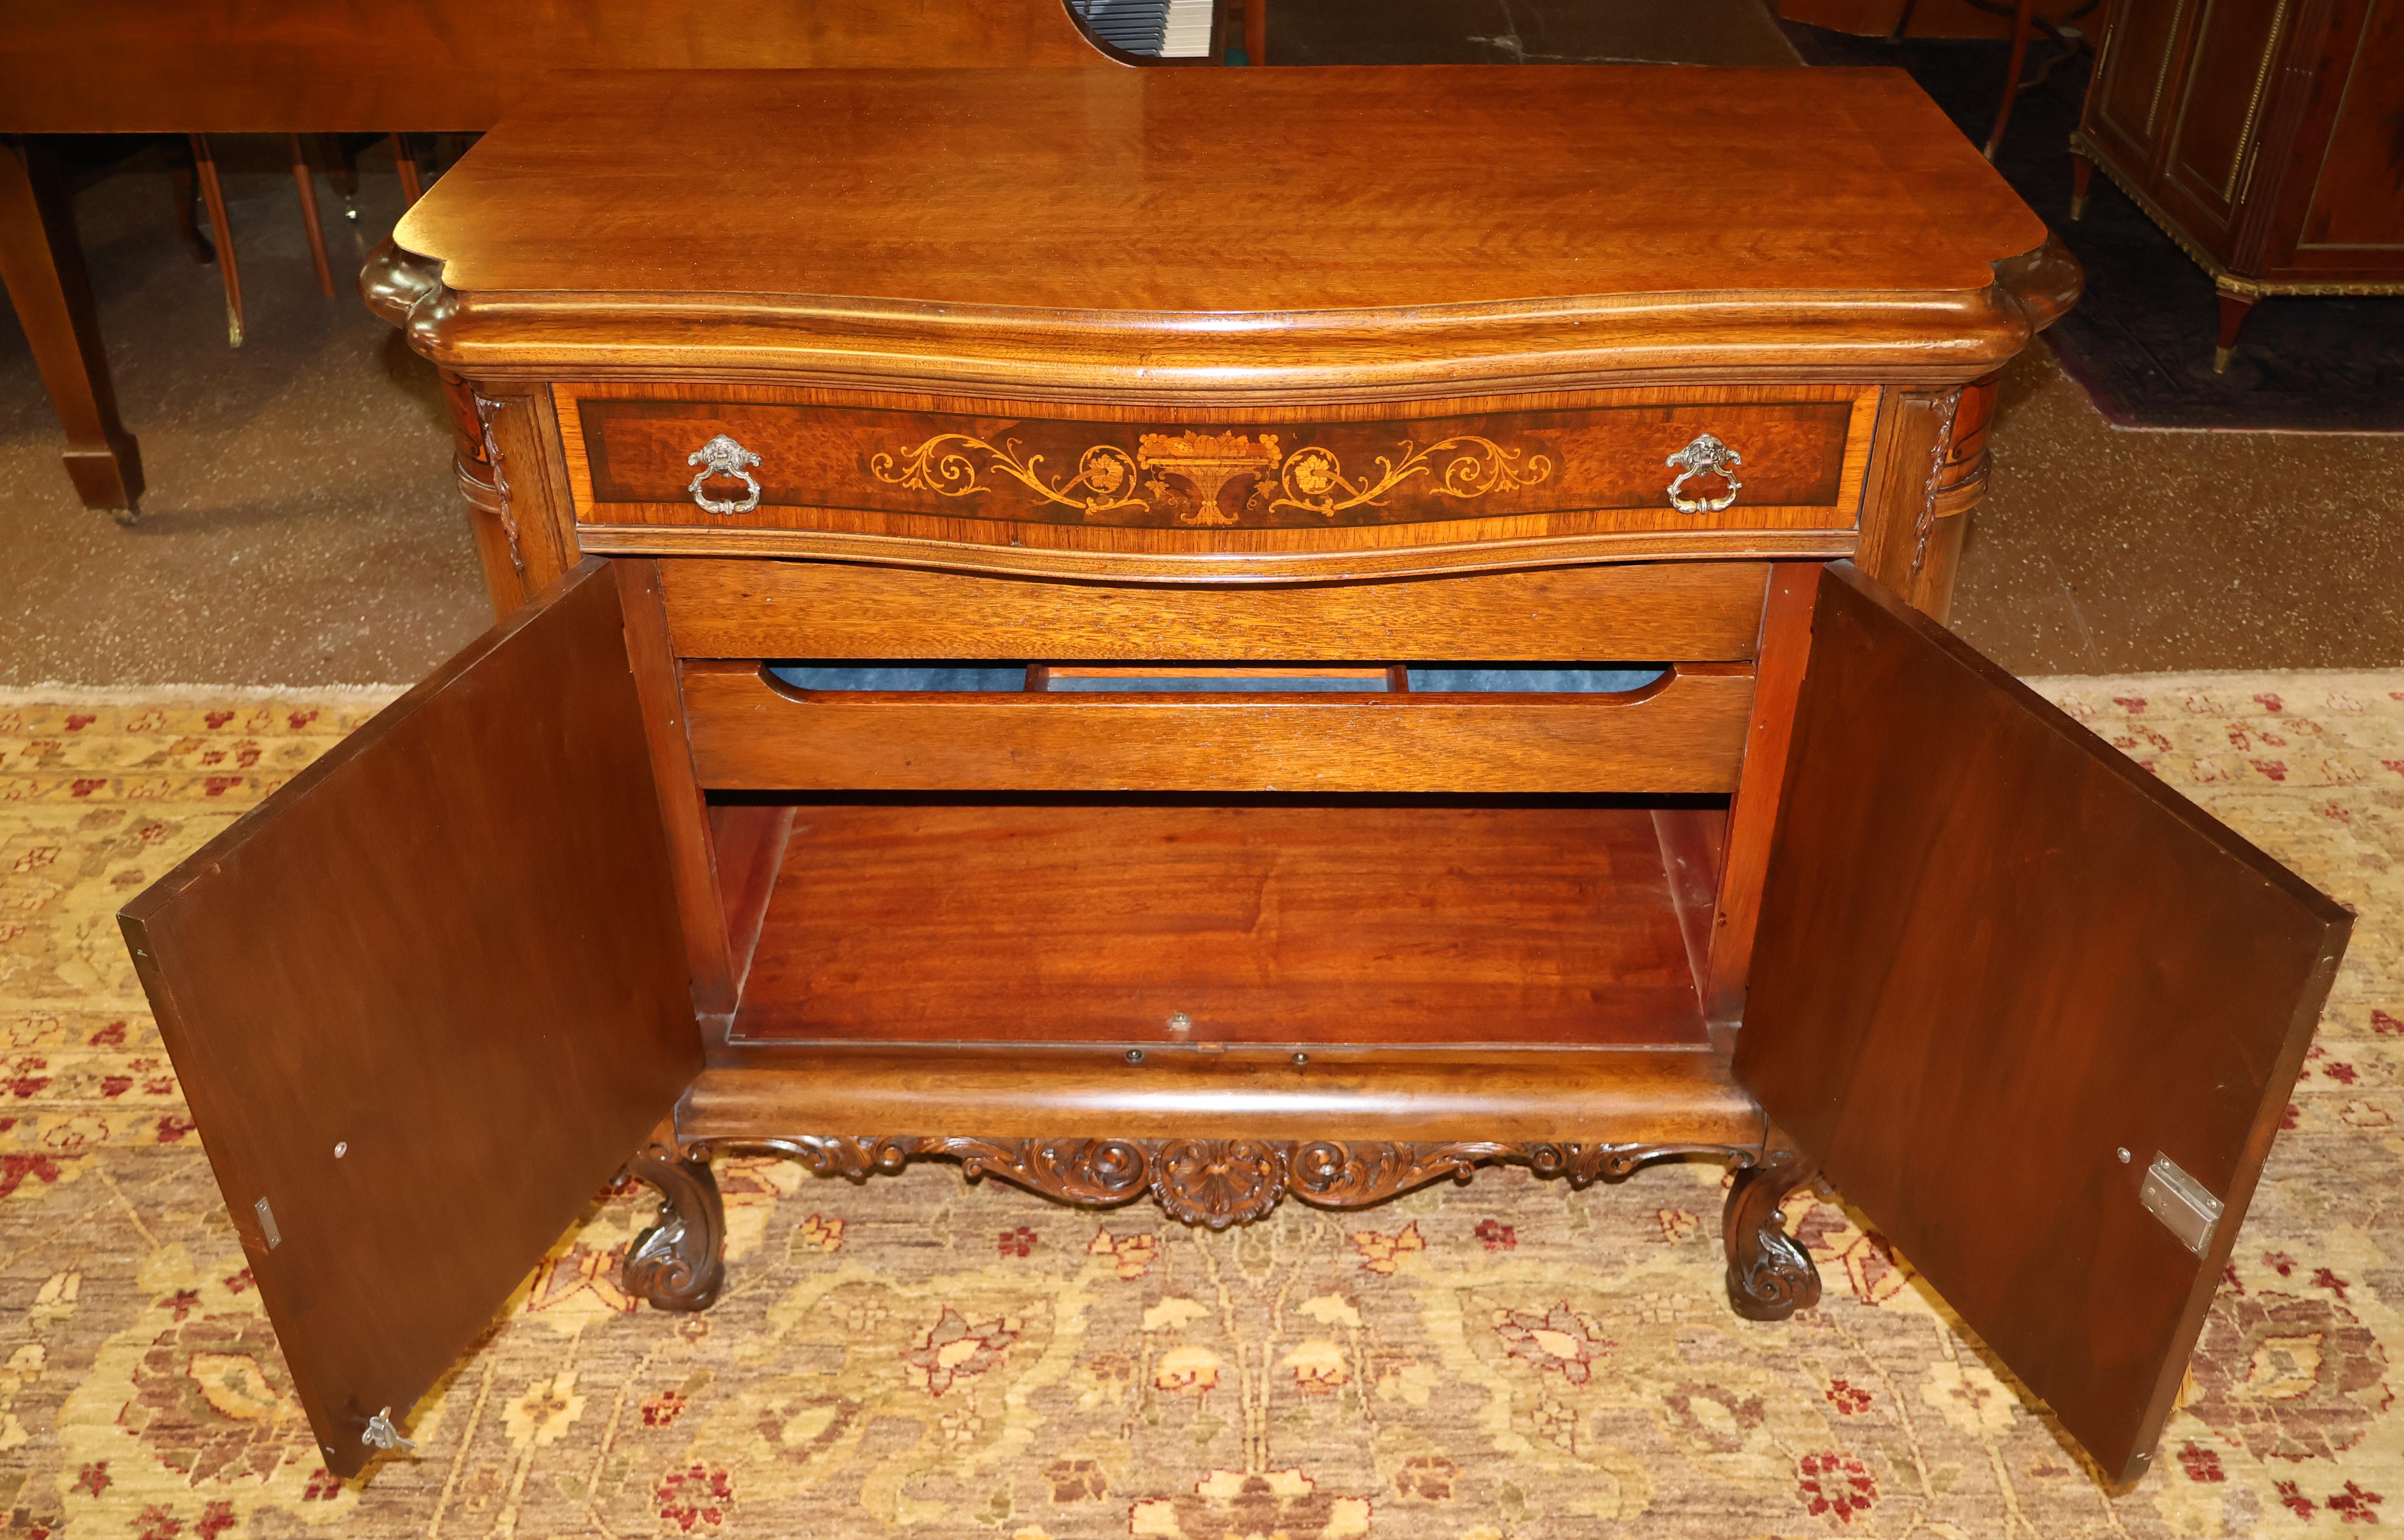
<point>302,528</point>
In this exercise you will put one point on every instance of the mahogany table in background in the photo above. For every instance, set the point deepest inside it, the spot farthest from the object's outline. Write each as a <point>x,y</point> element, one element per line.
<point>225,66</point>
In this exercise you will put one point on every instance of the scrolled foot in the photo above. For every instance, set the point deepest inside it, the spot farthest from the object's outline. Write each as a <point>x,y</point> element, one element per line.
<point>680,1262</point>
<point>1770,1274</point>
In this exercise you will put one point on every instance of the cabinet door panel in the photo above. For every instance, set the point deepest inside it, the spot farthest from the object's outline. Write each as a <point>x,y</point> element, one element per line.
<point>2220,108</point>
<point>1994,954</point>
<point>427,997</point>
<point>2125,107</point>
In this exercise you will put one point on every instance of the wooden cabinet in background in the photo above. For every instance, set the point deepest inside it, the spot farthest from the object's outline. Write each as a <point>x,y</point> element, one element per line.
<point>1066,376</point>
<point>2263,135</point>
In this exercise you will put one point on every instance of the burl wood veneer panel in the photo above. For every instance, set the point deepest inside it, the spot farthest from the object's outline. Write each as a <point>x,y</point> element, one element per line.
<point>1236,473</point>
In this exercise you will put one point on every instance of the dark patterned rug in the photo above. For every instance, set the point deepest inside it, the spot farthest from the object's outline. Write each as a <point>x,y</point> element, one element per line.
<point>2139,342</point>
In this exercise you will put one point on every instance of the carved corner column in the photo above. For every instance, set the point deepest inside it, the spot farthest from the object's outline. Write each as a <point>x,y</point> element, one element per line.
<point>679,1264</point>
<point>1927,473</point>
<point>1960,486</point>
<point>504,439</point>
<point>517,493</point>
<point>499,550</point>
<point>1770,1274</point>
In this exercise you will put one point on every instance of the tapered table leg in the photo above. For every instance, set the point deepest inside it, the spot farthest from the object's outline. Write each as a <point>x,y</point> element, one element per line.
<point>41,261</point>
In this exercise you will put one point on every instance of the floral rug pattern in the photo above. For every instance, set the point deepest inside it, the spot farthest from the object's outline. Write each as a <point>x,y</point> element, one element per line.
<point>919,1354</point>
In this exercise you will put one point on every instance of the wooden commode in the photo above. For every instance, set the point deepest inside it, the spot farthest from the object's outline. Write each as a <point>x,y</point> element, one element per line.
<point>1682,371</point>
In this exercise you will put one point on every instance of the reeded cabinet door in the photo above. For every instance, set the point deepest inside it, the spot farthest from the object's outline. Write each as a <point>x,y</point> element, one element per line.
<point>2132,100</point>
<point>426,998</point>
<point>2033,1013</point>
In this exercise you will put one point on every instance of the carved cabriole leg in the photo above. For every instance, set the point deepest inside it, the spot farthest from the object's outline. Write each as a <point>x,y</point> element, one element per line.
<point>1218,1182</point>
<point>680,1262</point>
<point>1770,1274</point>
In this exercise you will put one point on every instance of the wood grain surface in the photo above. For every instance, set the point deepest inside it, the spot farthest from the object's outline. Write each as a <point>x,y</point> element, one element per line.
<point>233,66</point>
<point>427,997</point>
<point>1999,968</point>
<point>1785,650</point>
<point>1119,190</point>
<point>1406,233</point>
<point>1307,924</point>
<point>1683,734</point>
<point>683,816</point>
<point>746,841</point>
<point>1612,1095</point>
<point>1690,611</point>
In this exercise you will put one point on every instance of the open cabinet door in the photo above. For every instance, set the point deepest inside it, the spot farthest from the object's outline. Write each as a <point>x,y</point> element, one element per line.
<point>2035,1013</point>
<point>426,999</point>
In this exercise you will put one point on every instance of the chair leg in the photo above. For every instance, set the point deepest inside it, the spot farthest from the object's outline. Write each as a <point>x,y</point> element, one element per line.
<point>1257,31</point>
<point>342,170</point>
<point>187,194</point>
<point>213,194</point>
<point>307,180</point>
<point>411,189</point>
<point>2234,308</point>
<point>2082,176</point>
<point>2024,22</point>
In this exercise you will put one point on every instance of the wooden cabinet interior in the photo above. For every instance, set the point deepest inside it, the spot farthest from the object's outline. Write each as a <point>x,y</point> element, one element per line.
<point>1800,903</point>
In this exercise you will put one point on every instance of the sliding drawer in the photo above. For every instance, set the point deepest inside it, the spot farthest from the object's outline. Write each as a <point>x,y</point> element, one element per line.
<point>1705,611</point>
<point>701,467</point>
<point>1684,732</point>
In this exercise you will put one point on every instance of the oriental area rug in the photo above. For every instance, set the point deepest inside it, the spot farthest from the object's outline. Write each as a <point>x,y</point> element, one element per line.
<point>917,1355</point>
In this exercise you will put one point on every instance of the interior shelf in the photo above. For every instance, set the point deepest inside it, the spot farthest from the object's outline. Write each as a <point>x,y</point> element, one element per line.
<point>1384,923</point>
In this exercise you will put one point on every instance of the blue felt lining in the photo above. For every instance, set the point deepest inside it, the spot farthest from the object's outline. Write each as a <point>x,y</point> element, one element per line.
<point>1502,678</point>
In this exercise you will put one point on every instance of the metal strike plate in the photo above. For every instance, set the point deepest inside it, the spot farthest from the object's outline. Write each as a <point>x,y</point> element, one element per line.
<point>381,1435</point>
<point>267,1224</point>
<point>2181,1203</point>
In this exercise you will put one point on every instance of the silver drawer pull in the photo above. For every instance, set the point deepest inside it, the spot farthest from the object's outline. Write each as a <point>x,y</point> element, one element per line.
<point>723,456</point>
<point>1705,456</point>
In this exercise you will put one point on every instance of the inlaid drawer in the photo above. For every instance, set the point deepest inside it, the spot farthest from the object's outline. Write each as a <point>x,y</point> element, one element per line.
<point>753,461</point>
